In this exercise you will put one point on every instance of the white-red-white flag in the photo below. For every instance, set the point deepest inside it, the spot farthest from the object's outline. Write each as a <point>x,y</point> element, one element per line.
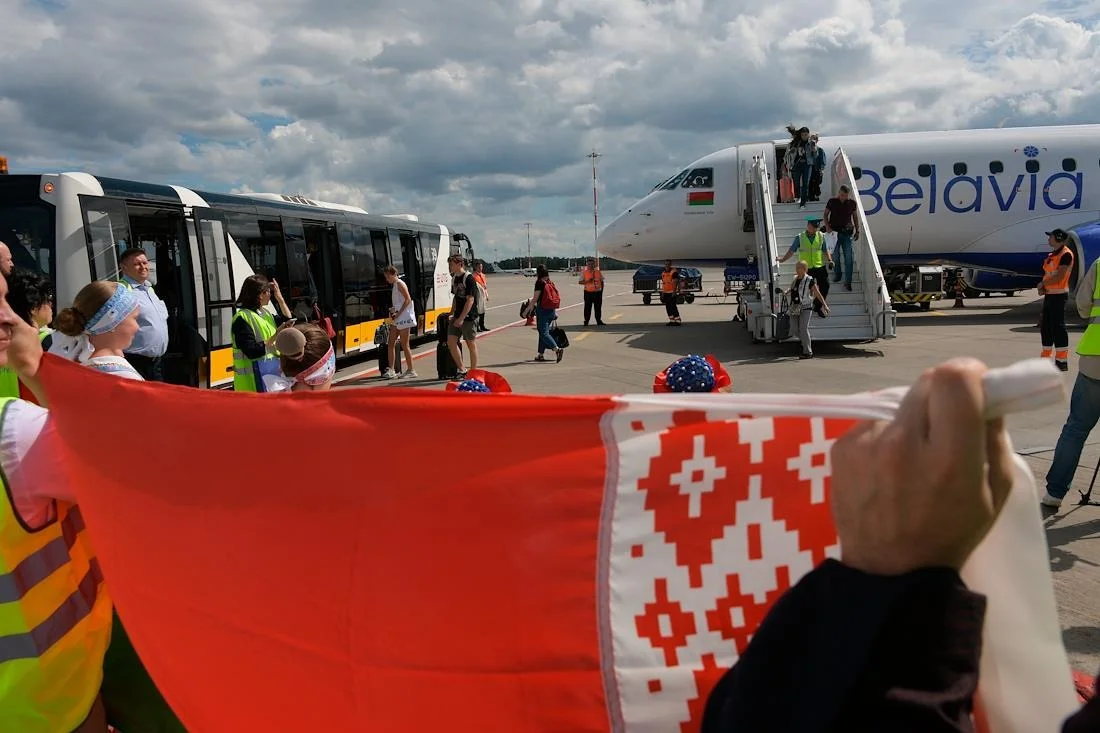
<point>397,560</point>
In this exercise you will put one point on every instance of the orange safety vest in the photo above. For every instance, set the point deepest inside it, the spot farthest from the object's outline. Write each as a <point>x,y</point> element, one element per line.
<point>593,280</point>
<point>668,281</point>
<point>1050,266</point>
<point>479,277</point>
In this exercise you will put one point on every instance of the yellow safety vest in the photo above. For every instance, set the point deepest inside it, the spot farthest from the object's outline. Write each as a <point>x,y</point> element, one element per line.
<point>1089,345</point>
<point>9,382</point>
<point>263,325</point>
<point>811,249</point>
<point>55,621</point>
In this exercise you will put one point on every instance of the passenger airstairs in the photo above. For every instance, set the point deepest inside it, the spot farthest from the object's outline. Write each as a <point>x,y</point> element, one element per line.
<point>864,314</point>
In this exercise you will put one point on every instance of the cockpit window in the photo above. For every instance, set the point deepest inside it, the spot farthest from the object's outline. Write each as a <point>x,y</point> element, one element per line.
<point>674,181</point>
<point>699,178</point>
<point>659,185</point>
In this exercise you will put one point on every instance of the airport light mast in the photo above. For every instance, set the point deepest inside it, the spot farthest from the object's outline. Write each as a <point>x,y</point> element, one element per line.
<point>595,209</point>
<point>528,225</point>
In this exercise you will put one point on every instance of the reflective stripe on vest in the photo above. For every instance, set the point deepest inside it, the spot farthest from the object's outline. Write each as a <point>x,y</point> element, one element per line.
<point>1050,266</point>
<point>263,326</point>
<point>55,621</point>
<point>593,281</point>
<point>811,249</point>
<point>1089,345</point>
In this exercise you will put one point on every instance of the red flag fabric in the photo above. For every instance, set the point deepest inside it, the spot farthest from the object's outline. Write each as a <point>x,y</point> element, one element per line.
<point>336,561</point>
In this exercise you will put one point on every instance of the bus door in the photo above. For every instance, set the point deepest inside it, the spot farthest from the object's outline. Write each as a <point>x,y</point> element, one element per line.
<point>219,297</point>
<point>110,227</point>
<point>323,261</point>
<point>414,272</point>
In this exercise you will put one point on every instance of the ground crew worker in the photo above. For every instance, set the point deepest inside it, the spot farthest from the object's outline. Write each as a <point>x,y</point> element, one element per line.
<point>55,614</point>
<point>592,280</point>
<point>1055,289</point>
<point>1084,403</point>
<point>670,291</point>
<point>479,277</point>
<point>810,246</point>
<point>253,333</point>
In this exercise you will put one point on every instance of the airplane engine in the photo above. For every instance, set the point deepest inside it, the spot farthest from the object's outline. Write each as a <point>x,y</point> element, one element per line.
<point>998,282</point>
<point>1085,241</point>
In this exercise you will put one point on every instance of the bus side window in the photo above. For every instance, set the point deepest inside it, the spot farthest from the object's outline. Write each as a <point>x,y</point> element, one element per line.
<point>299,290</point>
<point>381,292</point>
<point>270,255</point>
<point>357,264</point>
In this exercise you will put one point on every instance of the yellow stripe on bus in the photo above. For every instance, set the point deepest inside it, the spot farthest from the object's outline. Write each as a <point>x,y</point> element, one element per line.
<point>221,366</point>
<point>353,335</point>
<point>431,317</point>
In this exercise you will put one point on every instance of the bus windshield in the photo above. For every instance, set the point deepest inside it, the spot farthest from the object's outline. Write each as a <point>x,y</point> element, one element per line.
<point>28,230</point>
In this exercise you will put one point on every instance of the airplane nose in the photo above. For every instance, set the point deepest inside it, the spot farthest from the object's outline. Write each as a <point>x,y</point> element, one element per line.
<point>613,240</point>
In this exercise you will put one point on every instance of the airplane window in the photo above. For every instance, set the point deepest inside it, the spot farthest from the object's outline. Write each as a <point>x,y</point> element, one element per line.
<point>857,172</point>
<point>924,170</point>
<point>699,178</point>
<point>674,181</point>
<point>1069,165</point>
<point>960,169</point>
<point>889,171</point>
<point>1032,166</point>
<point>996,167</point>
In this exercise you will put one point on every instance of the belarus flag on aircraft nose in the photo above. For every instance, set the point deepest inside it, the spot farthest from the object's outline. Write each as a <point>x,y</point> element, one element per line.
<point>400,560</point>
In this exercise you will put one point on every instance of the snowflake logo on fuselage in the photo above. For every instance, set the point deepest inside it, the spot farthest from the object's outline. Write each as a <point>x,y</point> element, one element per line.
<point>1031,151</point>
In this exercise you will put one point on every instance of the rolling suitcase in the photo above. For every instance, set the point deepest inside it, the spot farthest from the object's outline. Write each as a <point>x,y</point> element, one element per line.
<point>443,325</point>
<point>786,190</point>
<point>445,366</point>
<point>384,359</point>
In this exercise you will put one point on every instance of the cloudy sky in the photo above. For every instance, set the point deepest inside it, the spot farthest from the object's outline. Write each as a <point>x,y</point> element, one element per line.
<point>478,113</point>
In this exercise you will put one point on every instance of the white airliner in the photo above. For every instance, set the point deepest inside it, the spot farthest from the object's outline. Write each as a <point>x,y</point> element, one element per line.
<point>979,199</point>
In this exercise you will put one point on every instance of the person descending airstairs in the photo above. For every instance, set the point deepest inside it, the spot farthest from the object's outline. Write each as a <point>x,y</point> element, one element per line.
<point>864,314</point>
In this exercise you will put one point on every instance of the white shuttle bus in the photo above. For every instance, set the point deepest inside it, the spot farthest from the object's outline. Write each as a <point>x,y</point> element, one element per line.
<point>327,258</point>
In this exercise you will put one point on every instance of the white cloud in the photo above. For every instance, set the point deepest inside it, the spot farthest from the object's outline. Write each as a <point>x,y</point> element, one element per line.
<point>479,115</point>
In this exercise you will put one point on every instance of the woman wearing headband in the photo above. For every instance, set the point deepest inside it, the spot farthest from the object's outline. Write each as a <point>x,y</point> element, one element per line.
<point>100,324</point>
<point>306,357</point>
<point>94,331</point>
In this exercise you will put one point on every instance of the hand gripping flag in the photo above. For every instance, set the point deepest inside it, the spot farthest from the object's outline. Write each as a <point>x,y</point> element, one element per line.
<point>597,572</point>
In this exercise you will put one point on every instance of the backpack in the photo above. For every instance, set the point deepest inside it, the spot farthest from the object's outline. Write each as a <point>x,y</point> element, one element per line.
<point>551,300</point>
<point>479,300</point>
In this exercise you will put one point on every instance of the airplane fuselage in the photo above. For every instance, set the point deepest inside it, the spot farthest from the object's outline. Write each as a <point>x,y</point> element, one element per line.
<point>972,198</point>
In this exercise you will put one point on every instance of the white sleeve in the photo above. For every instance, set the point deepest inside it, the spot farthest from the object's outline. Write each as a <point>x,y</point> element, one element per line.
<point>29,458</point>
<point>23,424</point>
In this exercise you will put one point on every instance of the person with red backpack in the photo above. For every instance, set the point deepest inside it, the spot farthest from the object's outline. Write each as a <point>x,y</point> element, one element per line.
<point>546,300</point>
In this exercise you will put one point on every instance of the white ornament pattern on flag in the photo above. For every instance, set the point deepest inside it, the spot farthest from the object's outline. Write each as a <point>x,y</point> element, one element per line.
<point>703,534</point>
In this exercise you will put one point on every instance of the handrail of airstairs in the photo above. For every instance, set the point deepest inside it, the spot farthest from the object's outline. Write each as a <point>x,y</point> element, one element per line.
<point>767,249</point>
<point>877,296</point>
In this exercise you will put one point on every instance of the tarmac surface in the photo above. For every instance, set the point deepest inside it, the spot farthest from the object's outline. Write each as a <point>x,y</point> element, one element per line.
<point>624,355</point>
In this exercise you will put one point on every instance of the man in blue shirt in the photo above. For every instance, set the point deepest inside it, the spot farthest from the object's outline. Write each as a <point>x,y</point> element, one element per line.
<point>151,341</point>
